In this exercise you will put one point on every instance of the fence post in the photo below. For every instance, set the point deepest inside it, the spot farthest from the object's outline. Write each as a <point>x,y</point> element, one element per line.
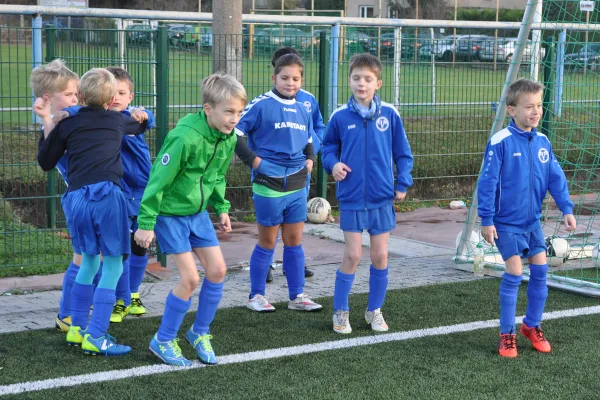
<point>51,188</point>
<point>324,106</point>
<point>162,100</point>
<point>549,86</point>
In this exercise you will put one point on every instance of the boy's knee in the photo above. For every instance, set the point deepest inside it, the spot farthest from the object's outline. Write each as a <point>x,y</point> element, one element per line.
<point>353,256</point>
<point>379,258</point>
<point>216,273</point>
<point>292,239</point>
<point>190,283</point>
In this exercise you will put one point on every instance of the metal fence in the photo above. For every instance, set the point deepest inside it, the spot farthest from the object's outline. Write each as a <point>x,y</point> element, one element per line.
<point>446,88</point>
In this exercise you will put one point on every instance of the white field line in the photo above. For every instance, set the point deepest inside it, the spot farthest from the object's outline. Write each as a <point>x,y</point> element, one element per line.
<point>105,376</point>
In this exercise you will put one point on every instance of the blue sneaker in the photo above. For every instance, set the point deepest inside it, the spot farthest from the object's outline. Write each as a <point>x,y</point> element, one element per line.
<point>105,345</point>
<point>203,347</point>
<point>169,352</point>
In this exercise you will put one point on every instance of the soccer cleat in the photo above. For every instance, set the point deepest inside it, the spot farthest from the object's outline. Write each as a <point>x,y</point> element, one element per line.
<point>375,318</point>
<point>104,345</point>
<point>508,345</point>
<point>537,338</point>
<point>63,325</point>
<point>341,324</point>
<point>75,336</point>
<point>307,272</point>
<point>169,352</point>
<point>119,312</point>
<point>203,346</point>
<point>260,303</point>
<point>303,303</point>
<point>136,308</point>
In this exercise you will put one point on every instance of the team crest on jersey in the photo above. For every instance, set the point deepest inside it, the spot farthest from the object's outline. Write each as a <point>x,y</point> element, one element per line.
<point>308,106</point>
<point>382,124</point>
<point>165,159</point>
<point>543,155</point>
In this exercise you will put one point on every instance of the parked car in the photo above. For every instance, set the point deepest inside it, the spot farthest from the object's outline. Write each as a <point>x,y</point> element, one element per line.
<point>408,44</point>
<point>273,38</point>
<point>589,56</point>
<point>469,46</point>
<point>191,36</point>
<point>354,41</point>
<point>442,49</point>
<point>139,34</point>
<point>505,50</point>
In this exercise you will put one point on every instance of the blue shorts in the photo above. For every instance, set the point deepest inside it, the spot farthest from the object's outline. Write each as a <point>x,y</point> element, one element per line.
<point>377,221</point>
<point>524,245</point>
<point>273,211</point>
<point>74,242</point>
<point>178,235</point>
<point>97,219</point>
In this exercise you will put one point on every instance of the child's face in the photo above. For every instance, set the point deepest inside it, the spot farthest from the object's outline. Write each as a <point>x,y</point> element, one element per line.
<point>288,81</point>
<point>363,83</point>
<point>224,116</point>
<point>528,111</point>
<point>122,98</point>
<point>65,98</point>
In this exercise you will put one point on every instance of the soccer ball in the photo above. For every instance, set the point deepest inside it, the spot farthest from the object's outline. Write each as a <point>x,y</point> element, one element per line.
<point>474,240</point>
<point>317,210</point>
<point>558,251</point>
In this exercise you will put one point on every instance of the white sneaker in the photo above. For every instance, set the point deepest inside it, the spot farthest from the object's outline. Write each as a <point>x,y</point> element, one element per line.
<point>341,324</point>
<point>260,303</point>
<point>303,303</point>
<point>375,318</point>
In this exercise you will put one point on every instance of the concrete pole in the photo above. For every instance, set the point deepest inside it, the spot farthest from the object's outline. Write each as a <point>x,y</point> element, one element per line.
<point>227,37</point>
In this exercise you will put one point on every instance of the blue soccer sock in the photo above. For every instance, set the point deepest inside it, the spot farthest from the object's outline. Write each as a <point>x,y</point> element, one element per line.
<point>209,298</point>
<point>67,287</point>
<point>509,289</point>
<point>81,300</point>
<point>293,264</point>
<point>122,291</point>
<point>137,269</point>
<point>378,282</point>
<point>276,243</point>
<point>88,269</point>
<point>104,300</point>
<point>112,269</point>
<point>343,286</point>
<point>537,292</point>
<point>259,267</point>
<point>175,309</point>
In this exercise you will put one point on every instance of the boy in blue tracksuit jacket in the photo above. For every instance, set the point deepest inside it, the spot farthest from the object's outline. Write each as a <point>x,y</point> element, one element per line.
<point>135,156</point>
<point>363,142</point>
<point>519,169</point>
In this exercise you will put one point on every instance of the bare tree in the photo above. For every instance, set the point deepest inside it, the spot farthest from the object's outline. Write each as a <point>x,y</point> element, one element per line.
<point>428,9</point>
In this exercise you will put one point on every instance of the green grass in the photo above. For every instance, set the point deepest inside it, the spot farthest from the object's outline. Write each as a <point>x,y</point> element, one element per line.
<point>422,368</point>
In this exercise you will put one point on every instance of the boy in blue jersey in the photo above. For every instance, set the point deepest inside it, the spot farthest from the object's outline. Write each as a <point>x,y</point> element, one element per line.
<point>280,152</point>
<point>135,156</point>
<point>97,216</point>
<point>312,107</point>
<point>363,142</point>
<point>57,84</point>
<point>519,169</point>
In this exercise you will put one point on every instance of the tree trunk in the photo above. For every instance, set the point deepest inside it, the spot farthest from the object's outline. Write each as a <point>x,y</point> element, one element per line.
<point>227,37</point>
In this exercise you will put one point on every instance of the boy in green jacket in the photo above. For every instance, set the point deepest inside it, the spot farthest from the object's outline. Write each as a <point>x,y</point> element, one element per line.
<point>187,176</point>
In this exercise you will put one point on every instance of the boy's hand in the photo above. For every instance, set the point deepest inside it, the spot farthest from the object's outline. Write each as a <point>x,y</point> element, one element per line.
<point>59,116</point>
<point>41,107</point>
<point>489,234</point>
<point>570,222</point>
<point>139,114</point>
<point>340,170</point>
<point>224,223</point>
<point>143,238</point>
<point>400,196</point>
<point>256,162</point>
<point>309,165</point>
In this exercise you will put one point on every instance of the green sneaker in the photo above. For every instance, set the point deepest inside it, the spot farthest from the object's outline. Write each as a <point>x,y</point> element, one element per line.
<point>203,347</point>
<point>137,308</point>
<point>104,345</point>
<point>75,336</point>
<point>119,312</point>
<point>169,352</point>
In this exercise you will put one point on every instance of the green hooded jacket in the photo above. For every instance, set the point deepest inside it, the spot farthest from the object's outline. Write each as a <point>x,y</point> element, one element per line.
<point>189,172</point>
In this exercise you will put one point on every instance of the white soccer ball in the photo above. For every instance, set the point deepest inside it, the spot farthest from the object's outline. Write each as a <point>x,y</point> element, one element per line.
<point>317,210</point>
<point>558,251</point>
<point>474,239</point>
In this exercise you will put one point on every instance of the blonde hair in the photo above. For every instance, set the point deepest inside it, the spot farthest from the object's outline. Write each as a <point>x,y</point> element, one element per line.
<point>98,86</point>
<point>51,78</point>
<point>220,87</point>
<point>519,88</point>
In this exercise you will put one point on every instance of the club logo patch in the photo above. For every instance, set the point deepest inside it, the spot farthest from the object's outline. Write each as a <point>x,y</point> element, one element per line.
<point>165,159</point>
<point>382,124</point>
<point>543,155</point>
<point>308,106</point>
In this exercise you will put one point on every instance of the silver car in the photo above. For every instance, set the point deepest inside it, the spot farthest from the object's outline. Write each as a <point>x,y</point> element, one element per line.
<point>505,50</point>
<point>442,49</point>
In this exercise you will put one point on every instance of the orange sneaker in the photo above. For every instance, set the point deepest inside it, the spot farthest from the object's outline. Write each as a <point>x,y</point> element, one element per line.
<point>537,338</point>
<point>508,345</point>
